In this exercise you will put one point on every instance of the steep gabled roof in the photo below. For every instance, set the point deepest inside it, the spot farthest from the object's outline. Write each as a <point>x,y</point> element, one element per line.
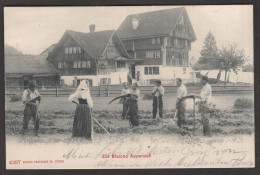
<point>155,23</point>
<point>28,64</point>
<point>93,43</point>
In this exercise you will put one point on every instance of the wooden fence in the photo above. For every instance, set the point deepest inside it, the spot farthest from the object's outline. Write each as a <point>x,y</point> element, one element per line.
<point>115,90</point>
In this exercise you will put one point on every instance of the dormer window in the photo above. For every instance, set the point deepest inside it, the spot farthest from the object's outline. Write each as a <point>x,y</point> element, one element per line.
<point>181,21</point>
<point>135,22</point>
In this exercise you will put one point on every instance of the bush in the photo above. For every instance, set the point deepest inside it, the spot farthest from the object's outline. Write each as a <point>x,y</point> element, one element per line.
<point>16,97</point>
<point>244,103</point>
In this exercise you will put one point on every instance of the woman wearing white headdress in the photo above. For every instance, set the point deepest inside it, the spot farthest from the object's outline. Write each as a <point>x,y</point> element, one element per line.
<point>82,125</point>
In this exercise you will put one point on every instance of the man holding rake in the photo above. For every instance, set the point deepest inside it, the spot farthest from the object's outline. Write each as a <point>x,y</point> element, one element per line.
<point>30,96</point>
<point>158,93</point>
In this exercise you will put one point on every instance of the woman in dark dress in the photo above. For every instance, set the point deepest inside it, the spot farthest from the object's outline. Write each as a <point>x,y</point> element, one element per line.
<point>83,124</point>
<point>133,106</point>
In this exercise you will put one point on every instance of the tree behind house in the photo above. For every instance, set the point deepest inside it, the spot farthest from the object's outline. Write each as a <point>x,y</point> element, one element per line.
<point>209,53</point>
<point>230,58</point>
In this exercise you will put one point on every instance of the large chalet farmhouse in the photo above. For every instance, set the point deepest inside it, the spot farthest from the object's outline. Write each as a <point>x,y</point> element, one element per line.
<point>99,57</point>
<point>160,41</point>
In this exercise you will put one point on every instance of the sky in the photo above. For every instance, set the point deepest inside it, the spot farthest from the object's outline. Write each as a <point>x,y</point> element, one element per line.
<point>32,29</point>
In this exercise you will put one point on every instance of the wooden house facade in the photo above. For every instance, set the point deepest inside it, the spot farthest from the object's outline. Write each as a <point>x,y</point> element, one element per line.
<point>99,57</point>
<point>162,41</point>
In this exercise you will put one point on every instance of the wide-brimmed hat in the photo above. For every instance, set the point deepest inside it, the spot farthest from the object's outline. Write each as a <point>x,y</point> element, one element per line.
<point>32,84</point>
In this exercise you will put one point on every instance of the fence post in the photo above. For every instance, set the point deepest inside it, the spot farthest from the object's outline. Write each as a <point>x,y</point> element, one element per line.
<point>107,91</point>
<point>57,90</point>
<point>99,89</point>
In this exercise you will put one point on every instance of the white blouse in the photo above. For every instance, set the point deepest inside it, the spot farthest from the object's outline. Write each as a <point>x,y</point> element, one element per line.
<point>206,93</point>
<point>84,94</point>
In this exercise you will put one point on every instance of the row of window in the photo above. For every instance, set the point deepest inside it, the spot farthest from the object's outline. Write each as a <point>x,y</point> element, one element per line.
<point>180,42</point>
<point>151,71</point>
<point>76,64</point>
<point>176,62</point>
<point>181,29</point>
<point>170,54</point>
<point>120,64</point>
<point>177,41</point>
<point>153,54</point>
<point>81,64</point>
<point>156,40</point>
<point>87,64</point>
<point>111,49</point>
<point>72,50</point>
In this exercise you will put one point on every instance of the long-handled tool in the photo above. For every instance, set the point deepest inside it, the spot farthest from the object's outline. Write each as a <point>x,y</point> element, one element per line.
<point>158,104</point>
<point>36,118</point>
<point>29,101</point>
<point>194,105</point>
<point>24,104</point>
<point>194,114</point>
<point>95,120</point>
<point>158,107</point>
<point>101,125</point>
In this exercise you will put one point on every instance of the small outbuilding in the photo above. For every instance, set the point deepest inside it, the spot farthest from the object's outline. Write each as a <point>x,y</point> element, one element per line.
<point>20,69</point>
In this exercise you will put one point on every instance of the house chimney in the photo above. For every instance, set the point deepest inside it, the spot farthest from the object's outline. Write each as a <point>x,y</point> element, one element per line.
<point>135,22</point>
<point>92,28</point>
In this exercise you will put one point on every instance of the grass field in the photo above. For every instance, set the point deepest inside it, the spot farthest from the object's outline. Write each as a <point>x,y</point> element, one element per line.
<point>57,117</point>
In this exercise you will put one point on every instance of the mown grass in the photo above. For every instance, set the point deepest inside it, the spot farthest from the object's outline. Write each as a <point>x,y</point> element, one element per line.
<point>224,122</point>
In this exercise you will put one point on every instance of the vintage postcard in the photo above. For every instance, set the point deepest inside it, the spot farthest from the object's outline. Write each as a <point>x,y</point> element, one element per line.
<point>129,87</point>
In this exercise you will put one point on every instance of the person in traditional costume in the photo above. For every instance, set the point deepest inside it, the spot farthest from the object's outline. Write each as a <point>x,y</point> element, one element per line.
<point>133,106</point>
<point>180,104</point>
<point>125,100</point>
<point>82,124</point>
<point>30,96</point>
<point>158,93</point>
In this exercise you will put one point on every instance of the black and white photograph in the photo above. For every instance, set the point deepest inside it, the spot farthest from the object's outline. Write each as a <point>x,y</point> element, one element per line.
<point>129,87</point>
